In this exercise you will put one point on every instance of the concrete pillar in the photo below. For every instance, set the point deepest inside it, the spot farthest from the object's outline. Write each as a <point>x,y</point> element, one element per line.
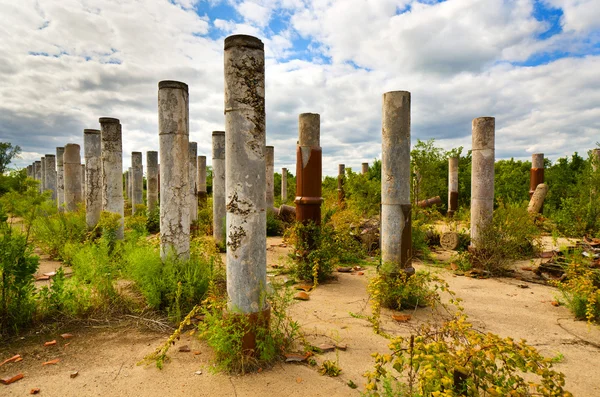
<point>72,170</point>
<point>537,199</point>
<point>38,172</point>
<point>284,185</point>
<point>365,168</point>
<point>152,179</point>
<point>396,227</point>
<point>137,183</point>
<point>51,174</point>
<point>452,185</point>
<point>340,187</point>
<point>595,159</point>
<point>130,187</point>
<point>193,153</point>
<point>60,178</point>
<point>201,180</point>
<point>112,168</point>
<point>246,178</point>
<point>482,176</point>
<point>126,188</point>
<point>308,169</point>
<point>83,179</point>
<point>43,180</point>
<point>536,175</point>
<point>92,148</point>
<point>173,130</point>
<point>270,175</point>
<point>218,185</point>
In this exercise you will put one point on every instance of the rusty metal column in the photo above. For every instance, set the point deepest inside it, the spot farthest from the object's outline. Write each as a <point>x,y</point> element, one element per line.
<point>283,185</point>
<point>201,180</point>
<point>173,131</point>
<point>193,153</point>
<point>340,187</point>
<point>270,172</point>
<point>151,179</point>
<point>92,149</point>
<point>537,172</point>
<point>137,182</point>
<point>396,226</point>
<point>365,168</point>
<point>452,185</point>
<point>112,169</point>
<point>482,176</point>
<point>245,136</point>
<point>218,185</point>
<point>309,169</point>
<point>72,169</point>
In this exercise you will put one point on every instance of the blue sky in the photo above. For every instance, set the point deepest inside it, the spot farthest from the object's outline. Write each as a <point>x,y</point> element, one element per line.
<point>530,63</point>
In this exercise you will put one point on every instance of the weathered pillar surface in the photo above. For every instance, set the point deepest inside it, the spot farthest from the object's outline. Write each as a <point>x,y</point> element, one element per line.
<point>152,179</point>
<point>43,180</point>
<point>396,233</point>
<point>38,172</point>
<point>537,172</point>
<point>201,179</point>
<point>83,178</point>
<point>537,199</point>
<point>340,187</point>
<point>173,129</point>
<point>51,174</point>
<point>92,147</point>
<point>112,168</point>
<point>72,170</point>
<point>482,176</point>
<point>126,190</point>
<point>130,186</point>
<point>218,185</point>
<point>365,168</point>
<point>308,169</point>
<point>60,177</point>
<point>284,175</point>
<point>137,184</point>
<point>193,153</point>
<point>452,185</point>
<point>270,175</point>
<point>245,173</point>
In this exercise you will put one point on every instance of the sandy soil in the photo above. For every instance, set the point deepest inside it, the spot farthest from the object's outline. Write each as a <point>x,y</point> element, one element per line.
<point>106,356</point>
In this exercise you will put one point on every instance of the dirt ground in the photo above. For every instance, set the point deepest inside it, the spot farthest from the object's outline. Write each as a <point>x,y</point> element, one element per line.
<point>106,355</point>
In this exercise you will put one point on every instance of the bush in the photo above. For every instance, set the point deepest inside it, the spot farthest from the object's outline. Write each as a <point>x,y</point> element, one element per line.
<point>581,289</point>
<point>274,225</point>
<point>138,221</point>
<point>153,220</point>
<point>64,298</point>
<point>53,230</point>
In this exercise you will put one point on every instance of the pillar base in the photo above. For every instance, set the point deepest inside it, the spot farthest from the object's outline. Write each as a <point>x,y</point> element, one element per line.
<point>251,321</point>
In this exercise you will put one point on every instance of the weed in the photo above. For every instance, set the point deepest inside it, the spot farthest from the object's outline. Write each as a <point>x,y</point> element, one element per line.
<point>330,368</point>
<point>581,289</point>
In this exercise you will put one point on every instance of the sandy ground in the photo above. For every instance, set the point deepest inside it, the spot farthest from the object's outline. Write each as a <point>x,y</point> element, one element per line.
<point>106,356</point>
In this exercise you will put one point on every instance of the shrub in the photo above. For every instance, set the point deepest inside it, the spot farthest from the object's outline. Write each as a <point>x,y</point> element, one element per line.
<point>274,225</point>
<point>54,230</point>
<point>153,220</point>
<point>64,298</point>
<point>138,221</point>
<point>581,289</point>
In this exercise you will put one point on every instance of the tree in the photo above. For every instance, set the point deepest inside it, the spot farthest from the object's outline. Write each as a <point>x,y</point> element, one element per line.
<point>7,154</point>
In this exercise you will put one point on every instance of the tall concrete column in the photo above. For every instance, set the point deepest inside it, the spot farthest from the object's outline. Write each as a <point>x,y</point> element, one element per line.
<point>193,154</point>
<point>365,168</point>
<point>112,168</point>
<point>130,187</point>
<point>340,187</point>
<point>396,227</point>
<point>38,172</point>
<point>51,174</point>
<point>152,179</point>
<point>482,176</point>
<point>126,189</point>
<point>83,179</point>
<point>284,174</point>
<point>201,180</point>
<point>92,148</point>
<point>452,185</point>
<point>270,175</point>
<point>246,178</point>
<point>60,178</point>
<point>43,180</point>
<point>536,175</point>
<point>218,185</point>
<point>309,169</point>
<point>137,184</point>
<point>28,171</point>
<point>72,170</point>
<point>173,130</point>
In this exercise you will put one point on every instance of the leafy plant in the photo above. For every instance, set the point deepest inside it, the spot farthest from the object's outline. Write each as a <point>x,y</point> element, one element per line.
<point>581,289</point>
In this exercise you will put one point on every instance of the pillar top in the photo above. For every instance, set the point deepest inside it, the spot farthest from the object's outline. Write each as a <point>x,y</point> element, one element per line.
<point>49,155</point>
<point>243,40</point>
<point>137,153</point>
<point>218,133</point>
<point>399,92</point>
<point>202,157</point>
<point>172,84</point>
<point>270,147</point>
<point>108,120</point>
<point>38,161</point>
<point>90,131</point>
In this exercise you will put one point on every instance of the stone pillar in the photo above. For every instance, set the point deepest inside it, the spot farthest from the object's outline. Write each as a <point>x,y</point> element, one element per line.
<point>537,200</point>
<point>482,176</point>
<point>340,188</point>
<point>152,179</point>
<point>92,148</point>
<point>51,174</point>
<point>173,130</point>
<point>396,227</point>
<point>112,168</point>
<point>536,175</point>
<point>452,185</point>
<point>126,189</point>
<point>60,178</point>
<point>308,169</point>
<point>137,183</point>
<point>130,187</point>
<point>270,175</point>
<point>83,179</point>
<point>218,185</point>
<point>283,185</point>
<point>193,153</point>
<point>365,168</point>
<point>246,179</point>
<point>201,180</point>
<point>43,180</point>
<point>72,170</point>
<point>38,172</point>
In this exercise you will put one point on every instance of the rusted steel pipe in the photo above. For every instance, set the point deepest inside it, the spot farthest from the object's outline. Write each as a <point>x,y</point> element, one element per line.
<point>537,172</point>
<point>430,202</point>
<point>308,169</point>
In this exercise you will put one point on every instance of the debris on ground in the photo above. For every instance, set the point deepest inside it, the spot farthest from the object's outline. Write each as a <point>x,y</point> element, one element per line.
<point>14,358</point>
<point>12,379</point>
